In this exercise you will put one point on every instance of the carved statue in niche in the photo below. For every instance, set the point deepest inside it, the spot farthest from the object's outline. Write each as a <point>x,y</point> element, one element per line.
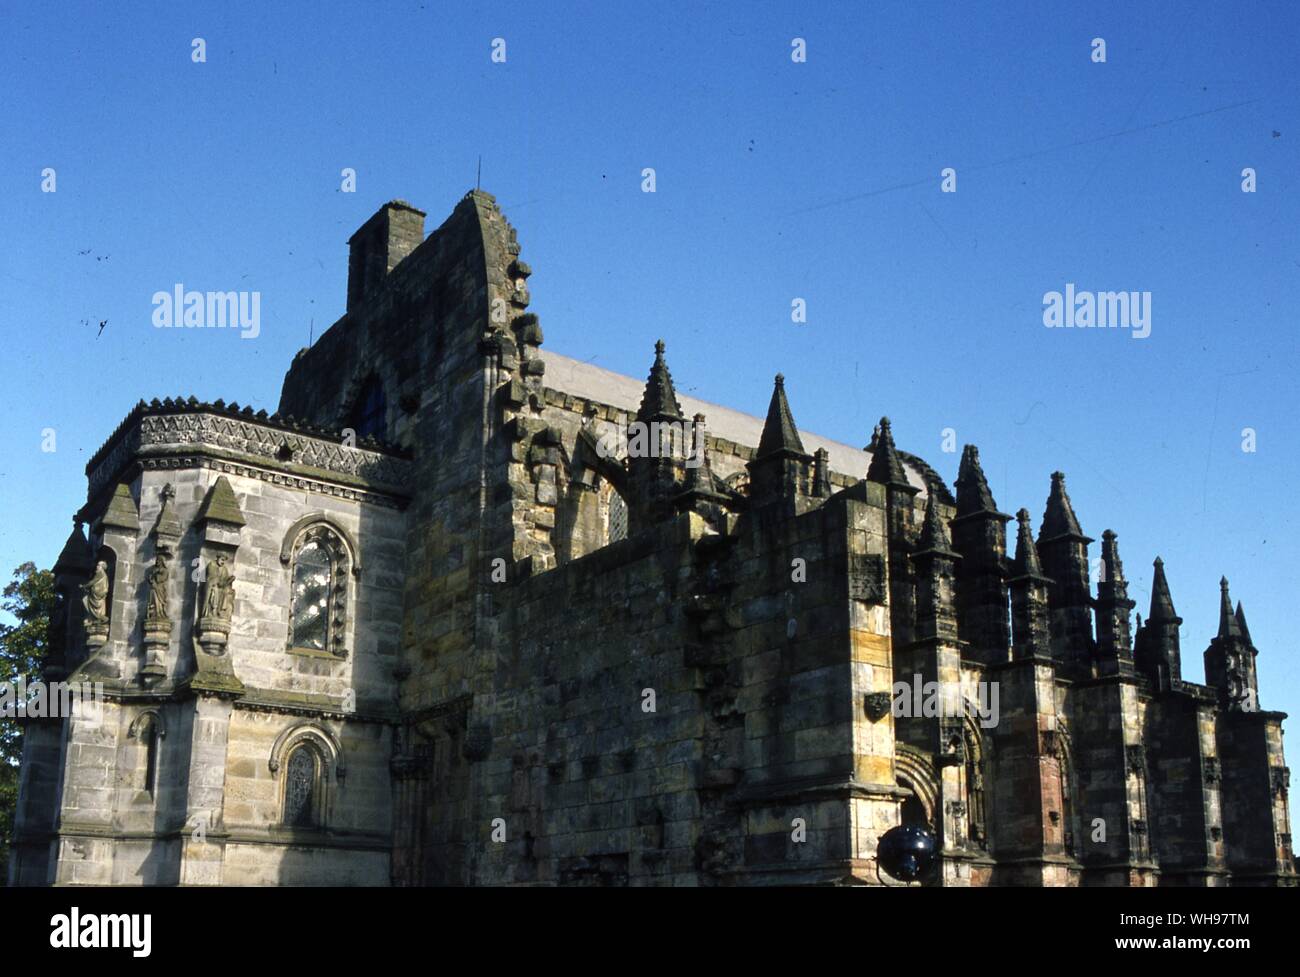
<point>95,596</point>
<point>219,590</point>
<point>157,577</point>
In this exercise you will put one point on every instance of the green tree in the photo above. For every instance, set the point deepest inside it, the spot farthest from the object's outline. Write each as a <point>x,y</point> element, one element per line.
<point>30,599</point>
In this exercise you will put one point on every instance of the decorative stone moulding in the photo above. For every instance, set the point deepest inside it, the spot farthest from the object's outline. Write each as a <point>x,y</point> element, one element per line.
<point>96,636</point>
<point>153,430</point>
<point>157,636</point>
<point>213,635</point>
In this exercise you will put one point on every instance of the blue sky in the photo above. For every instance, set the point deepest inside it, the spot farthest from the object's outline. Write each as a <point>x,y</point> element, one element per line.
<point>775,181</point>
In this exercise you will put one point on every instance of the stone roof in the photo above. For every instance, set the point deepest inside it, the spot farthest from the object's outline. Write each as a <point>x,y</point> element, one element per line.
<point>607,387</point>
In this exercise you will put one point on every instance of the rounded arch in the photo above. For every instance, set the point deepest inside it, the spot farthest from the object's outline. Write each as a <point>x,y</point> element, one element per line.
<point>148,731</point>
<point>148,723</point>
<point>972,733</point>
<point>590,518</point>
<point>315,734</point>
<point>917,769</point>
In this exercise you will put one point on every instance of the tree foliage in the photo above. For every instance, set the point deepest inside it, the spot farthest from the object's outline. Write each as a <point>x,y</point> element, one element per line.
<point>30,599</point>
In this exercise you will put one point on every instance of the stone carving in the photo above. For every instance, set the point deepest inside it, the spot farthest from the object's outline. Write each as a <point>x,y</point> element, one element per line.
<point>157,621</point>
<point>877,705</point>
<point>1211,768</point>
<point>248,437</point>
<point>95,598</point>
<point>218,592</point>
<point>1135,755</point>
<point>267,441</point>
<point>867,577</point>
<point>156,611</point>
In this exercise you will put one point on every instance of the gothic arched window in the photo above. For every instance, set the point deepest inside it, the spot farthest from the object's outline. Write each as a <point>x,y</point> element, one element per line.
<point>370,412</point>
<point>318,591</point>
<point>301,787</point>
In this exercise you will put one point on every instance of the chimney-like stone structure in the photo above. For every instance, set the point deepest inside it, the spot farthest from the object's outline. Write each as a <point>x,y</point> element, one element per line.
<point>379,246</point>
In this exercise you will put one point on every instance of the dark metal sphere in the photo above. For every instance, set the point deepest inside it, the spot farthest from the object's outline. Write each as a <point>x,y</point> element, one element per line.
<point>906,852</point>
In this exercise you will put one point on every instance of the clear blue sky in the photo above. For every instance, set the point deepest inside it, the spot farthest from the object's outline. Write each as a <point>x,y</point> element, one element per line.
<point>775,180</point>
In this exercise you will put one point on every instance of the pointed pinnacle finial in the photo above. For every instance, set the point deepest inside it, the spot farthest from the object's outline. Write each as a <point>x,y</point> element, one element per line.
<point>934,531</point>
<point>1026,562</point>
<point>973,494</point>
<point>1241,623</point>
<point>779,431</point>
<point>659,399</point>
<point>1112,570</point>
<point>699,474</point>
<point>1162,604</point>
<point>1058,518</point>
<point>886,467</point>
<point>1228,627</point>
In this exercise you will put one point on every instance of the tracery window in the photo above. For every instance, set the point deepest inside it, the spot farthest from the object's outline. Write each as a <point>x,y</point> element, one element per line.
<point>301,780</point>
<point>318,591</point>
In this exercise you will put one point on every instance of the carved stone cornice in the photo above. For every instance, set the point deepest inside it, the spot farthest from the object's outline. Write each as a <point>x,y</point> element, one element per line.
<point>173,439</point>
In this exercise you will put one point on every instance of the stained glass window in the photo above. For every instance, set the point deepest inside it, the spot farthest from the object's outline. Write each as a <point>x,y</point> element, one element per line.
<point>309,609</point>
<point>300,788</point>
